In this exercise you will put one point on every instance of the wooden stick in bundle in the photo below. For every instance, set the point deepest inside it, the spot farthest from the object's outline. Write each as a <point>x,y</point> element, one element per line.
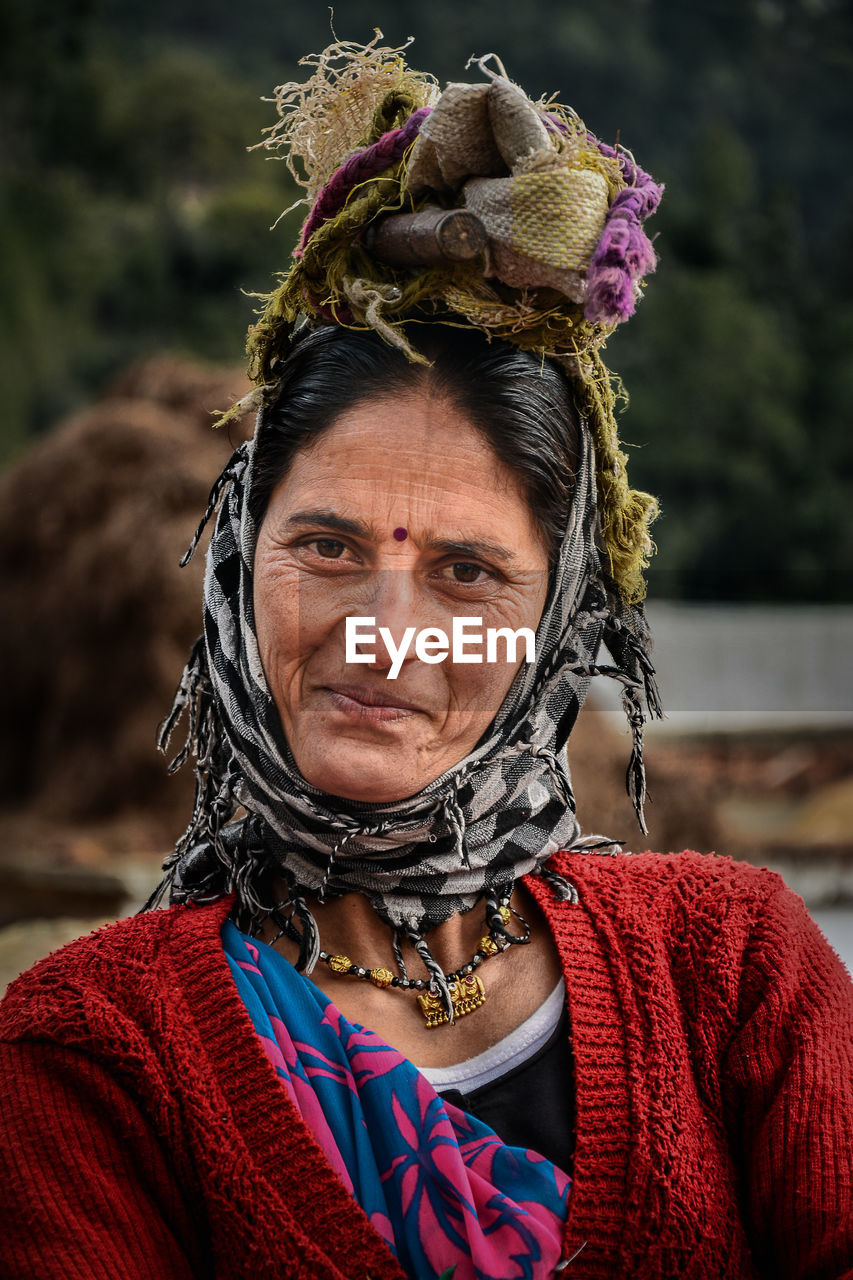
<point>427,238</point>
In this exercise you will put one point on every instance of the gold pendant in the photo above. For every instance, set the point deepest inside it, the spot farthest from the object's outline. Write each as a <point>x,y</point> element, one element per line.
<point>466,995</point>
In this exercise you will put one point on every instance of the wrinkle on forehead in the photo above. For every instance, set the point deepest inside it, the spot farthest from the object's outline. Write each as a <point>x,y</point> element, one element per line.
<point>416,464</point>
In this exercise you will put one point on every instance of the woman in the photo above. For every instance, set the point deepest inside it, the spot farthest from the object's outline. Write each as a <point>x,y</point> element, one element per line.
<point>401,1019</point>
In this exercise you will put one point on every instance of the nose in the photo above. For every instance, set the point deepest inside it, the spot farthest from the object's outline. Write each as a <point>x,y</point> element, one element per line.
<point>394,605</point>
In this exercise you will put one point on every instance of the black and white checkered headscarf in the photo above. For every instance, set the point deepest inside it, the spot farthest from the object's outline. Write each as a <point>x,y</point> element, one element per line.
<point>498,814</point>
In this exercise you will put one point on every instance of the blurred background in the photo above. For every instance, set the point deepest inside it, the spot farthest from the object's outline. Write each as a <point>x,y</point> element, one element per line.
<point>135,226</point>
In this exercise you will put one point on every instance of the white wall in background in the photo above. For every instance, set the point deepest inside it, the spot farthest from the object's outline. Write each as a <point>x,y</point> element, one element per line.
<point>723,668</point>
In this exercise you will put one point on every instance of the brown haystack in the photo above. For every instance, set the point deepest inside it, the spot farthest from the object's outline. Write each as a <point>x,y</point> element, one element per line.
<point>93,521</point>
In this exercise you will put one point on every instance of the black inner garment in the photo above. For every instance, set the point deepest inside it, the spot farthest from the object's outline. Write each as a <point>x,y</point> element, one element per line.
<point>531,1105</point>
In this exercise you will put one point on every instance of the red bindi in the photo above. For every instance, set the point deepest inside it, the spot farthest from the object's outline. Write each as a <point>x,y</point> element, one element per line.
<point>401,534</point>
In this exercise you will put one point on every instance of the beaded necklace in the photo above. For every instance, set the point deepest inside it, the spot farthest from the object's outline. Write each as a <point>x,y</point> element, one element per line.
<point>467,992</point>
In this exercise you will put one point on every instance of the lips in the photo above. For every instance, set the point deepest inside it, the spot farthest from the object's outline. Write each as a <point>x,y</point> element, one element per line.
<point>362,703</point>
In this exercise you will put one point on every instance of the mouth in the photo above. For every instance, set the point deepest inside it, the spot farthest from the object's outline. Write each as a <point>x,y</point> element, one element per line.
<point>360,703</point>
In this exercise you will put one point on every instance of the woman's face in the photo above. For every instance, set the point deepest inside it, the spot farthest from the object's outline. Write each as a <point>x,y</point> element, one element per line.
<point>400,513</point>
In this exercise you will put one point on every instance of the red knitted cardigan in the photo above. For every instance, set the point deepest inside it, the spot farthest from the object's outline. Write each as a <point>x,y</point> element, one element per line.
<point>145,1134</point>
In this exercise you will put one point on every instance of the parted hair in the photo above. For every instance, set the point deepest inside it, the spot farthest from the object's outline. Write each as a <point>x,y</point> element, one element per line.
<point>522,405</point>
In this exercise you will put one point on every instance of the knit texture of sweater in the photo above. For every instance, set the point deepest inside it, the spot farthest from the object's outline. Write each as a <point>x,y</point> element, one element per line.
<point>145,1133</point>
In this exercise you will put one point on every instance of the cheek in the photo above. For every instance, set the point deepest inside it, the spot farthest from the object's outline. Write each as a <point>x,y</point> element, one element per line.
<point>280,619</point>
<point>489,685</point>
<point>481,687</point>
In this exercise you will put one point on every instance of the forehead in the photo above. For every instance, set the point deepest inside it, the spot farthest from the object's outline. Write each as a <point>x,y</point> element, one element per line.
<point>427,432</point>
<point>409,459</point>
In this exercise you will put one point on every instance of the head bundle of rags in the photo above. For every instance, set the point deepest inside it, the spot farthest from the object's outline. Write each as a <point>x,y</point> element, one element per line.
<point>474,207</point>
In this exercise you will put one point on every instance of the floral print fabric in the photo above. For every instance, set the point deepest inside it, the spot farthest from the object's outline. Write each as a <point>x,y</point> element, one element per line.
<point>439,1186</point>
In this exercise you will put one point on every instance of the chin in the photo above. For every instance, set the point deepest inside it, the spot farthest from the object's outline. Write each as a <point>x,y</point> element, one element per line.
<point>356,772</point>
<point>365,790</point>
<point>371,782</point>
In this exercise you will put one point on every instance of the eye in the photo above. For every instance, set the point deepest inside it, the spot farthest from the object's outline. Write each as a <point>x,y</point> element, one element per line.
<point>328,548</point>
<point>468,573</point>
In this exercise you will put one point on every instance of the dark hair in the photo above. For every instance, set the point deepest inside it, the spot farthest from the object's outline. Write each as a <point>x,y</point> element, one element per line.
<point>522,405</point>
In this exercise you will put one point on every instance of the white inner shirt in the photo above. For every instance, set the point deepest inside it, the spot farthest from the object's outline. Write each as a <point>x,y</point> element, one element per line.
<point>512,1051</point>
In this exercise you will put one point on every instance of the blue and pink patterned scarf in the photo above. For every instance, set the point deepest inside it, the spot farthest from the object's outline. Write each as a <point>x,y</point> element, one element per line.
<point>438,1185</point>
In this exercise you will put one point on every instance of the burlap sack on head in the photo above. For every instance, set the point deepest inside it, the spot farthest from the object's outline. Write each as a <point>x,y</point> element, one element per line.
<point>455,141</point>
<point>542,205</point>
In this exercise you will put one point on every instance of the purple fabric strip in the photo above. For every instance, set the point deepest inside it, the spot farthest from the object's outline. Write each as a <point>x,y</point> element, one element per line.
<point>366,164</point>
<point>624,253</point>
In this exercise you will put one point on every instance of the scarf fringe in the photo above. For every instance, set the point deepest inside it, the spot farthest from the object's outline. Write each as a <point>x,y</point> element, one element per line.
<point>437,977</point>
<point>559,775</point>
<point>233,468</point>
<point>454,816</point>
<point>560,885</point>
<point>202,867</point>
<point>626,636</point>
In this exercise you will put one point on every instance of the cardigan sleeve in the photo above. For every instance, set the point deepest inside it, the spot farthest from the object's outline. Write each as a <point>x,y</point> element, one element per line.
<point>87,1192</point>
<point>789,1088</point>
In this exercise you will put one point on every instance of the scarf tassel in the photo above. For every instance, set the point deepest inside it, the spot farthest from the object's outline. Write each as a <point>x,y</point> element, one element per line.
<point>454,816</point>
<point>635,778</point>
<point>497,928</point>
<point>437,977</point>
<point>633,669</point>
<point>308,935</point>
<point>233,468</point>
<point>562,889</point>
<point>397,947</point>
